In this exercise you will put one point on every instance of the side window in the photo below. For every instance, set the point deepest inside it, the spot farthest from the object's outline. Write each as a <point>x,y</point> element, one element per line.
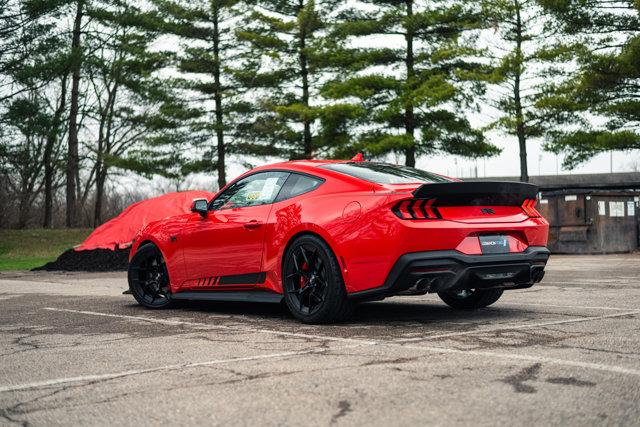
<point>257,189</point>
<point>298,184</point>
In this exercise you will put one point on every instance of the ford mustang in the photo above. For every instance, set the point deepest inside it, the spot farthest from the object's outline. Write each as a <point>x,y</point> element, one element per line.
<point>323,235</point>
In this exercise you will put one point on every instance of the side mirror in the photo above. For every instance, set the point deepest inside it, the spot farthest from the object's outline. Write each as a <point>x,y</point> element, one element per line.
<point>201,206</point>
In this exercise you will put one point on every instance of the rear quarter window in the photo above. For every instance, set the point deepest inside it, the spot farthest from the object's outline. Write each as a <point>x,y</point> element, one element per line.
<point>385,173</point>
<point>298,184</point>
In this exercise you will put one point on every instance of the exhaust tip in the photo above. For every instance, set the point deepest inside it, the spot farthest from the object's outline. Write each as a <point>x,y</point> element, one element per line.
<point>537,275</point>
<point>425,284</point>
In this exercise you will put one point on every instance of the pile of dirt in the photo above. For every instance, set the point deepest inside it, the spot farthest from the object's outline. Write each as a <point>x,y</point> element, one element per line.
<point>89,260</point>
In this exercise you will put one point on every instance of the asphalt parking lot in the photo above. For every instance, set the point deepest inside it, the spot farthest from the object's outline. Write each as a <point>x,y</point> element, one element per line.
<point>74,350</point>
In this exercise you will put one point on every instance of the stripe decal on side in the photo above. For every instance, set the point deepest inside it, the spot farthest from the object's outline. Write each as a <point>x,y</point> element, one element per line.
<point>236,279</point>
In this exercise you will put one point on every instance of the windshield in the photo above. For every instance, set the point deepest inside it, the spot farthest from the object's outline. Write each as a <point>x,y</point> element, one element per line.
<point>385,173</point>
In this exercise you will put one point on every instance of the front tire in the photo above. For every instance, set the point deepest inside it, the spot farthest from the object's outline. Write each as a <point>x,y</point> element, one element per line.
<point>149,278</point>
<point>312,282</point>
<point>469,299</point>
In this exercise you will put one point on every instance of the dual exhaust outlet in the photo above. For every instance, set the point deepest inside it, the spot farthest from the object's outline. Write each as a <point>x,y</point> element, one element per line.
<point>422,286</point>
<point>432,284</point>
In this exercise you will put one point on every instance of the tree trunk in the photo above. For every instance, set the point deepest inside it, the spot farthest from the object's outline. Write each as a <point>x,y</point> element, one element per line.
<point>104,147</point>
<point>73,163</point>
<point>97,211</point>
<point>23,211</point>
<point>49,170</point>
<point>222,177</point>
<point>23,197</point>
<point>101,178</point>
<point>520,125</point>
<point>304,73</point>
<point>409,116</point>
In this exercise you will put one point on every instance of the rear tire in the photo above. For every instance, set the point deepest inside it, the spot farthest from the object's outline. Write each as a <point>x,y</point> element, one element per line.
<point>312,282</point>
<point>470,299</point>
<point>149,278</point>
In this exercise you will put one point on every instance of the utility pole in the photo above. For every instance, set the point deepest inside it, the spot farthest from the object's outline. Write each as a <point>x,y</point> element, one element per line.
<point>611,161</point>
<point>539,162</point>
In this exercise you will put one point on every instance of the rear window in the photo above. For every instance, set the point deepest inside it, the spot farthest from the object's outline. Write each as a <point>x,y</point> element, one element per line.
<point>384,173</point>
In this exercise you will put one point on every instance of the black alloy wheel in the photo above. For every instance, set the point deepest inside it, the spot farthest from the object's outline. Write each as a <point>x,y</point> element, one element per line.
<point>148,278</point>
<point>312,280</point>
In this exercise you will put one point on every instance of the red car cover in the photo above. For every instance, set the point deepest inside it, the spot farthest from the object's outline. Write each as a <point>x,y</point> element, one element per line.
<point>120,231</point>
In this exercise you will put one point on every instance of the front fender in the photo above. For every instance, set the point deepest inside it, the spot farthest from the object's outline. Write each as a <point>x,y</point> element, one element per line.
<point>164,234</point>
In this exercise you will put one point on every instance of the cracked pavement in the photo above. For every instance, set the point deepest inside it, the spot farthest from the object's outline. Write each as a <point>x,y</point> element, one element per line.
<point>74,350</point>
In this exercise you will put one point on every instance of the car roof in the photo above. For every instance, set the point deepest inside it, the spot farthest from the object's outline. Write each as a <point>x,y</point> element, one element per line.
<point>314,167</point>
<point>311,166</point>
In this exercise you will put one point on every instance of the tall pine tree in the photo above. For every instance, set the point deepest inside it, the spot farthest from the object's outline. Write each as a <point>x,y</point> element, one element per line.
<point>411,68</point>
<point>598,110</point>
<point>284,69</point>
<point>524,51</point>
<point>207,90</point>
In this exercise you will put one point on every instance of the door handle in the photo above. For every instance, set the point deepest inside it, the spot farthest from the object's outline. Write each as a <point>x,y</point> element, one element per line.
<point>252,225</point>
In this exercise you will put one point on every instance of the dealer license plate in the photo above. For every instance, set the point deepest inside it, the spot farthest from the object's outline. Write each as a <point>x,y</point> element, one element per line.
<point>494,244</point>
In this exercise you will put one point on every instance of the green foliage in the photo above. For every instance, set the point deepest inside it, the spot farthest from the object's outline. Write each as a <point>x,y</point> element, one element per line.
<point>527,54</point>
<point>598,109</point>
<point>302,79</point>
<point>288,56</point>
<point>204,110</point>
<point>409,97</point>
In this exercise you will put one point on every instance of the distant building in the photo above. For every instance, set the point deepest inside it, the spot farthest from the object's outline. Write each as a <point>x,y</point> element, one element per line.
<point>589,213</point>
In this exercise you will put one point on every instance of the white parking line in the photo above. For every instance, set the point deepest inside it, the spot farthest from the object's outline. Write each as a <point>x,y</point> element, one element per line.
<point>340,339</point>
<point>355,343</point>
<point>522,326</point>
<point>615,282</point>
<point>101,377</point>
<point>212,326</point>
<point>585,307</point>
<point>529,358</point>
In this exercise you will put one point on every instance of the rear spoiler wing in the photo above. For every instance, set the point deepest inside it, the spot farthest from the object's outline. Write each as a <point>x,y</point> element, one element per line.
<point>477,193</point>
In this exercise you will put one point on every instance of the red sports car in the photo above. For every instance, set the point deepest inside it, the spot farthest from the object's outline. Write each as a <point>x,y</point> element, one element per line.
<point>324,235</point>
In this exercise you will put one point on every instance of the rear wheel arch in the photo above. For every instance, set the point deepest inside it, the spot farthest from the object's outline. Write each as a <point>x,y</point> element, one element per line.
<point>318,293</point>
<point>295,236</point>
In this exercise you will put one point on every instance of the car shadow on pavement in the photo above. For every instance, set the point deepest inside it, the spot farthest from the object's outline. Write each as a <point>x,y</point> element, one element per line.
<point>370,313</point>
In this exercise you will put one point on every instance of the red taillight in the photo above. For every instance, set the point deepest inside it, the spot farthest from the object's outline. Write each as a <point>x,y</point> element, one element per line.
<point>416,209</point>
<point>529,207</point>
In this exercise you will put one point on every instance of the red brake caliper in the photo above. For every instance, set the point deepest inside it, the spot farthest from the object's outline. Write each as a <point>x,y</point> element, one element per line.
<point>305,267</point>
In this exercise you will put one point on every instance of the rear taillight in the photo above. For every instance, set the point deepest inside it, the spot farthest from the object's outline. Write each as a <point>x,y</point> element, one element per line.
<point>529,207</point>
<point>416,209</point>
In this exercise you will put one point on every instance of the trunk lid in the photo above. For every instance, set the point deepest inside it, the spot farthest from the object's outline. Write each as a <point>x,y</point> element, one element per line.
<point>470,202</point>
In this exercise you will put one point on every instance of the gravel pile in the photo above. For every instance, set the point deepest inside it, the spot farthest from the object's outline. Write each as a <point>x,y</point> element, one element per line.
<point>91,260</point>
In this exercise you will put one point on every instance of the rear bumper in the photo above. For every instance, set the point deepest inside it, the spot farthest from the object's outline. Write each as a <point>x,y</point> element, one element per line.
<point>436,271</point>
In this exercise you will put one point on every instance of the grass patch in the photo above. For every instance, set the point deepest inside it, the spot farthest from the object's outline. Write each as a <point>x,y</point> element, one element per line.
<point>26,249</point>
